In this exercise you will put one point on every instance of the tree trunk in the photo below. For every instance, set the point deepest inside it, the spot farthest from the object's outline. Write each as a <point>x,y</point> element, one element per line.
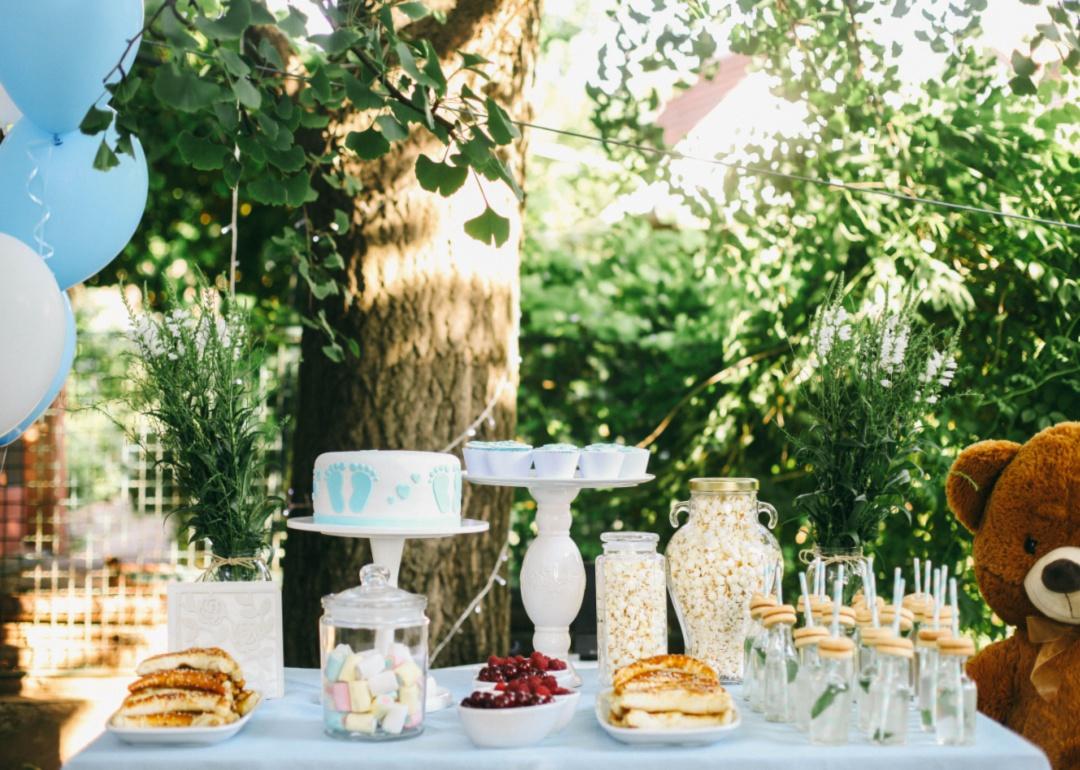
<point>436,316</point>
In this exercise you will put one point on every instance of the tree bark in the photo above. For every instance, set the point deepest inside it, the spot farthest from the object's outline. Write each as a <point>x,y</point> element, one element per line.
<point>436,316</point>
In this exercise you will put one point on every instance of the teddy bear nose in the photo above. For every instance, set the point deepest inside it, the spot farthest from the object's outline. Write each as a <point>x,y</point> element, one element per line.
<point>1062,576</point>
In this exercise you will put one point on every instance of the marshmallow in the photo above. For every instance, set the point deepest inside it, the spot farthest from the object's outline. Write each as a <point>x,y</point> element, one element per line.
<point>382,704</point>
<point>349,668</point>
<point>370,664</point>
<point>336,659</point>
<point>399,653</point>
<point>384,682</point>
<point>359,696</point>
<point>413,720</point>
<point>408,673</point>
<point>409,697</point>
<point>334,720</point>
<point>340,695</point>
<point>360,723</point>
<point>394,719</point>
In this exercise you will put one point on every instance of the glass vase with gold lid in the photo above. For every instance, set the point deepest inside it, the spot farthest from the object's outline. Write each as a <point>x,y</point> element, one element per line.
<point>715,564</point>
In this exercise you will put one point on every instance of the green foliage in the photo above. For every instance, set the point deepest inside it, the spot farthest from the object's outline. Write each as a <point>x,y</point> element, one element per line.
<point>286,118</point>
<point>195,374</point>
<point>685,338</point>
<point>867,382</point>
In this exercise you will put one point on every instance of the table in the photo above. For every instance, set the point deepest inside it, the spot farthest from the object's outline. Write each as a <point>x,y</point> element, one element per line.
<point>287,733</point>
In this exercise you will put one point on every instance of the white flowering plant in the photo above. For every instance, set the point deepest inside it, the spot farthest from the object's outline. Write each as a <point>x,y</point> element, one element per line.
<point>196,377</point>
<point>871,378</point>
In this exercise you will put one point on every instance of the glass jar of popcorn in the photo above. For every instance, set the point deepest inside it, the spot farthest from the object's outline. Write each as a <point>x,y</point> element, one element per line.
<point>631,601</point>
<point>715,564</point>
<point>374,660</point>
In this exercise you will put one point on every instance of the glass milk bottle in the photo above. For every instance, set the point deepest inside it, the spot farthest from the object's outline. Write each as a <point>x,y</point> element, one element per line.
<point>781,664</point>
<point>754,646</point>
<point>631,601</point>
<point>926,653</point>
<point>890,692</point>
<point>715,563</point>
<point>806,645</point>
<point>921,606</point>
<point>866,671</point>
<point>954,715</point>
<point>830,693</point>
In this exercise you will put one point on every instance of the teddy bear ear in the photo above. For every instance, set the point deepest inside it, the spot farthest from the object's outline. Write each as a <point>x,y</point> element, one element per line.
<point>972,478</point>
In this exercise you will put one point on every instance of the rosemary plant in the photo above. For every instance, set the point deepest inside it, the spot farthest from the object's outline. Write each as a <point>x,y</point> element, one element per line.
<point>871,378</point>
<point>197,378</point>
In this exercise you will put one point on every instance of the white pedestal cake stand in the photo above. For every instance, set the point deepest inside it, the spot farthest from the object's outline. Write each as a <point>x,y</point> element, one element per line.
<point>387,544</point>
<point>553,574</point>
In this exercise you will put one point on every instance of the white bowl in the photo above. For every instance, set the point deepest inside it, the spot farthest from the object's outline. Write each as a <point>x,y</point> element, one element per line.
<point>604,462</point>
<point>510,728</point>
<point>569,704</point>
<point>509,462</point>
<point>555,462</point>
<point>476,460</point>
<point>635,462</point>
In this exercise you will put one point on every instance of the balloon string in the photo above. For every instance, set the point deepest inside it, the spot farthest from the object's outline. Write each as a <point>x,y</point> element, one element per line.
<point>44,248</point>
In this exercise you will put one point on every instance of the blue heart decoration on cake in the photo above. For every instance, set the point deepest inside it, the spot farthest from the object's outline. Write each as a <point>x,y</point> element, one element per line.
<point>403,491</point>
<point>415,478</point>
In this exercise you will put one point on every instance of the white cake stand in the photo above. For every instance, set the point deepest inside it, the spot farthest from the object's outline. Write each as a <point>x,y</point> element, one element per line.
<point>387,544</point>
<point>553,574</point>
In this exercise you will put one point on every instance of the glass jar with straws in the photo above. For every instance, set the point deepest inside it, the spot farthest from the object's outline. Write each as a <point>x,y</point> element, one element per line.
<point>886,705</point>
<point>806,646</point>
<point>755,644</point>
<point>926,653</point>
<point>781,664</point>
<point>956,696</point>
<point>830,690</point>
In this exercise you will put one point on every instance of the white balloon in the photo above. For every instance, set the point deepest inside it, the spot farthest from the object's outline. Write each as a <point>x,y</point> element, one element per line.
<point>9,113</point>
<point>31,330</point>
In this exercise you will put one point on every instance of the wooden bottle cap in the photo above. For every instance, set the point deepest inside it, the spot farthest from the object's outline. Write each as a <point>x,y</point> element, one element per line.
<point>907,618</point>
<point>896,645</point>
<point>956,645</point>
<point>836,647</point>
<point>760,602</point>
<point>928,637</point>
<point>870,636</point>
<point>808,635</point>
<point>782,613</point>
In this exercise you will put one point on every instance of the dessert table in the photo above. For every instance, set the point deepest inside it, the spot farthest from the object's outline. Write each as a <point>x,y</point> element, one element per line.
<point>288,733</point>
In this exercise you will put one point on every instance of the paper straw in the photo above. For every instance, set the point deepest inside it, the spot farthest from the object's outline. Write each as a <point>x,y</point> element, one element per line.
<point>808,616</point>
<point>819,578</point>
<point>918,577</point>
<point>840,573</point>
<point>837,588</point>
<point>937,598</point>
<point>779,588</point>
<point>944,581</point>
<point>898,599</point>
<point>955,608</point>
<point>927,569</point>
<point>766,579</point>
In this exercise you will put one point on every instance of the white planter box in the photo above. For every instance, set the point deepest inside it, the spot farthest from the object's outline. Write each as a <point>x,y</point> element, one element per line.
<point>242,618</point>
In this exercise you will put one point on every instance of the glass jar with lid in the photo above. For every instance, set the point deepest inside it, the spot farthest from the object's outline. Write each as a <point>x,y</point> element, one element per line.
<point>374,660</point>
<point>715,564</point>
<point>631,601</point>
<point>830,692</point>
<point>954,717</point>
<point>781,665</point>
<point>889,698</point>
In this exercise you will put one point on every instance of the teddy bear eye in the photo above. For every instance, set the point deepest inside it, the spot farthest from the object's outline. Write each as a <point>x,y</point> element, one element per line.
<point>1030,544</point>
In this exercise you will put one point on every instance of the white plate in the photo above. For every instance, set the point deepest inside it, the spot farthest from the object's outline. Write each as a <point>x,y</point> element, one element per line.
<point>574,483</point>
<point>695,736</point>
<point>182,736</point>
<point>308,524</point>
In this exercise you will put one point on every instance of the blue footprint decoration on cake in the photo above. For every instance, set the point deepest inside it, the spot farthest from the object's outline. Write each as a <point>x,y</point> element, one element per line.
<point>335,486</point>
<point>442,485</point>
<point>362,480</point>
<point>457,490</point>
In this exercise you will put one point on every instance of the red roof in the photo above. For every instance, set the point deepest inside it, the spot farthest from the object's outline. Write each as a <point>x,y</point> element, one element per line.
<point>686,110</point>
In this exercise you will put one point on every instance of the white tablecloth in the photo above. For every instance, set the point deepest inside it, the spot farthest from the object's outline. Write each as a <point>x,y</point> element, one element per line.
<point>288,733</point>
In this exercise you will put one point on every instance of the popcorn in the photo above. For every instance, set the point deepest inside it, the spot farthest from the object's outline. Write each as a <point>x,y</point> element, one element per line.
<point>631,609</point>
<point>715,565</point>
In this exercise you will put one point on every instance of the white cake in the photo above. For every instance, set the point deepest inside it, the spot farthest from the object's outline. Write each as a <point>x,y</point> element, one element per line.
<point>376,488</point>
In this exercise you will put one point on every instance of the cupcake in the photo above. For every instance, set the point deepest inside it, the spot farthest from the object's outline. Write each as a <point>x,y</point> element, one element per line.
<point>635,462</point>
<point>476,458</point>
<point>509,459</point>
<point>556,461</point>
<point>600,461</point>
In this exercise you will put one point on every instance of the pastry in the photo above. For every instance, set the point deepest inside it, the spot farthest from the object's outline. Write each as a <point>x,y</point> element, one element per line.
<point>199,658</point>
<point>671,720</point>
<point>175,700</point>
<point>174,719</point>
<point>665,662</point>
<point>669,692</point>
<point>209,681</point>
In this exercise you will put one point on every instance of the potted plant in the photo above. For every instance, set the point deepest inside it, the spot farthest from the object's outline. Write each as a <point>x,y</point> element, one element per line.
<point>870,379</point>
<point>196,377</point>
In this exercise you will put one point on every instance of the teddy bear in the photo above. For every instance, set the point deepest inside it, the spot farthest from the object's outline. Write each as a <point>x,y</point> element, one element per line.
<point>1022,504</point>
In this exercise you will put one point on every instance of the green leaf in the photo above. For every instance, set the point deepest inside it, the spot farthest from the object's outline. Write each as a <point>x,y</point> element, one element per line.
<point>96,121</point>
<point>270,54</point>
<point>502,129</point>
<point>294,24</point>
<point>231,171</point>
<point>124,144</point>
<point>289,161</point>
<point>368,144</point>
<point>231,26</point>
<point>260,14</point>
<point>792,669</point>
<point>334,352</point>
<point>408,63</point>
<point>233,62</point>
<point>824,700</point>
<point>183,90</point>
<point>337,42</point>
<point>391,129</point>
<point>361,95</point>
<point>247,94</point>
<point>341,221</point>
<point>319,84</point>
<point>298,190</point>
<point>470,60</point>
<point>124,89</point>
<point>1023,86</point>
<point>1022,65</point>
<point>202,154</point>
<point>105,157</point>
<point>443,178</point>
<point>489,227</point>
<point>414,10</point>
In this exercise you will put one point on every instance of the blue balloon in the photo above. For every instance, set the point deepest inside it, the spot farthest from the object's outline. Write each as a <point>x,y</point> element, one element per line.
<point>55,54</point>
<point>85,216</point>
<point>62,373</point>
